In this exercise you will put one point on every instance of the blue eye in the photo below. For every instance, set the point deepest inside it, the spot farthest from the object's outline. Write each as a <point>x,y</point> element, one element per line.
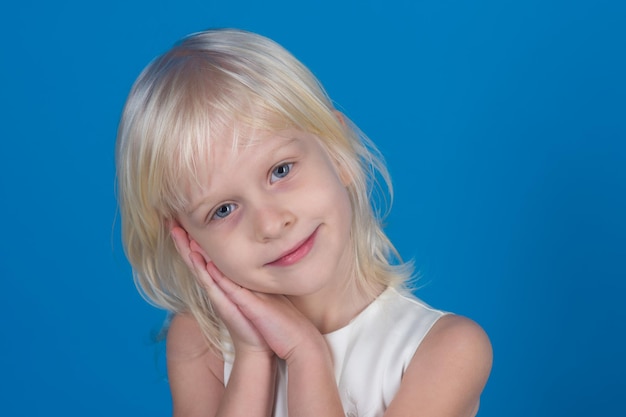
<point>281,171</point>
<point>223,211</point>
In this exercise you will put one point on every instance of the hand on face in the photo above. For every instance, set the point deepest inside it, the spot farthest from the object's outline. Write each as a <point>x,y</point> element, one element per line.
<point>256,321</point>
<point>245,336</point>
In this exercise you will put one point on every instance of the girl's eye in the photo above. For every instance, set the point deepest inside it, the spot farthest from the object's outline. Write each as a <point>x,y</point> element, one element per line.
<point>223,211</point>
<point>281,171</point>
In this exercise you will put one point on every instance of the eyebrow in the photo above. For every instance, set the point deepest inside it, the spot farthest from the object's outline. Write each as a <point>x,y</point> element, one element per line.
<point>194,206</point>
<point>284,142</point>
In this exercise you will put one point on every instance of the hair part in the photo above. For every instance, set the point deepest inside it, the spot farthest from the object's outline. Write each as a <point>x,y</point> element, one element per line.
<point>214,84</point>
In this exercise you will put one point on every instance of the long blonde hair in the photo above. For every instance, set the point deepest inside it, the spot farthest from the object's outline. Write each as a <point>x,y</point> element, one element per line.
<point>207,82</point>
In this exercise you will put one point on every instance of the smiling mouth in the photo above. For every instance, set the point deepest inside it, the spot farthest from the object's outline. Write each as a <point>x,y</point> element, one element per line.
<point>296,254</point>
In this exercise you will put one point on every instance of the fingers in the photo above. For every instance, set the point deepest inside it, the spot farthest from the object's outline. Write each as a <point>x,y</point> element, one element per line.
<point>193,245</point>
<point>182,244</point>
<point>238,294</point>
<point>251,303</point>
<point>185,245</point>
<point>244,334</point>
<point>199,266</point>
<point>192,254</point>
<point>205,271</point>
<point>219,299</point>
<point>255,320</point>
<point>216,283</point>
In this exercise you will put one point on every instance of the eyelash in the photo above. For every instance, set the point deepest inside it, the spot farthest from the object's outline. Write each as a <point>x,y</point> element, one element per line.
<point>287,165</point>
<point>216,215</point>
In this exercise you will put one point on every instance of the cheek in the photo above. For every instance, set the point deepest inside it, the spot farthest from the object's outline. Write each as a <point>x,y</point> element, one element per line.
<point>340,195</point>
<point>211,249</point>
<point>346,209</point>
<point>229,260</point>
<point>336,203</point>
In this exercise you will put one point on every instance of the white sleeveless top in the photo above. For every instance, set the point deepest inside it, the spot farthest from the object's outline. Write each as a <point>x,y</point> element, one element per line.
<point>370,354</point>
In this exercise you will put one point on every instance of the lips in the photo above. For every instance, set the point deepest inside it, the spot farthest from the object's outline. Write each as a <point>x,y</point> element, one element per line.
<point>295,254</point>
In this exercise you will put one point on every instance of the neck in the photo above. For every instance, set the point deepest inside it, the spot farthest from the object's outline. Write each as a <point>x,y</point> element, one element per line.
<point>334,309</point>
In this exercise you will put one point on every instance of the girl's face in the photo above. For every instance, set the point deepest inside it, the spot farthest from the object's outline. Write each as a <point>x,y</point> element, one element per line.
<point>274,215</point>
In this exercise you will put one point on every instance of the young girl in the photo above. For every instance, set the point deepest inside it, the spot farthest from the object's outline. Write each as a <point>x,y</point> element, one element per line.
<point>245,207</point>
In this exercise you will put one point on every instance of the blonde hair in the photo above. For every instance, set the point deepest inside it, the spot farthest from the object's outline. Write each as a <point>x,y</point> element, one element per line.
<point>187,97</point>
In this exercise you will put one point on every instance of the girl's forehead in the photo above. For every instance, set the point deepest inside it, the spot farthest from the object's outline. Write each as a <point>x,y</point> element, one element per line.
<point>232,154</point>
<point>241,137</point>
<point>229,146</point>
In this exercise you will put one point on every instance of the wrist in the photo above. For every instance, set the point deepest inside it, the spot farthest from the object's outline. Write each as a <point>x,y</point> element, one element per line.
<point>254,355</point>
<point>311,352</point>
<point>261,364</point>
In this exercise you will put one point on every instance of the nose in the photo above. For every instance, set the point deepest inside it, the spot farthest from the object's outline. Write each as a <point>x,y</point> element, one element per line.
<point>271,221</point>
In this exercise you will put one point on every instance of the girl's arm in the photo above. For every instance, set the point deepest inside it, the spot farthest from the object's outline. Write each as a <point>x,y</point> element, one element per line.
<point>195,373</point>
<point>197,381</point>
<point>312,389</point>
<point>445,377</point>
<point>447,373</point>
<point>196,377</point>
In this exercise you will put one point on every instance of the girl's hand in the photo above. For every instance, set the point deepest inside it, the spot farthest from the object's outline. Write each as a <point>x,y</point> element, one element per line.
<point>256,321</point>
<point>244,334</point>
<point>269,324</point>
<point>283,327</point>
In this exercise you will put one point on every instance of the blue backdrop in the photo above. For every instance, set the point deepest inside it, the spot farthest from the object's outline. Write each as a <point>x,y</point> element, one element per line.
<point>504,127</point>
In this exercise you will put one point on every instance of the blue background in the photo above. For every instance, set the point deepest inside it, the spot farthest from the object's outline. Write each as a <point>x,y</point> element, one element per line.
<point>504,127</point>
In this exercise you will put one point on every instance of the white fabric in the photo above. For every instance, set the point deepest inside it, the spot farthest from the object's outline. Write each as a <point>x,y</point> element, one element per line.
<point>370,354</point>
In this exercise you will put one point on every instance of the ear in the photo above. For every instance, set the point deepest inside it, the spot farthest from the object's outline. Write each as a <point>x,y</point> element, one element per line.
<point>344,174</point>
<point>341,117</point>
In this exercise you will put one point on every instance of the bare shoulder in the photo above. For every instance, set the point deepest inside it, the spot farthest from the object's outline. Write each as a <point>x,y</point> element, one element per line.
<point>448,371</point>
<point>454,336</point>
<point>186,343</point>
<point>184,338</point>
<point>195,371</point>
